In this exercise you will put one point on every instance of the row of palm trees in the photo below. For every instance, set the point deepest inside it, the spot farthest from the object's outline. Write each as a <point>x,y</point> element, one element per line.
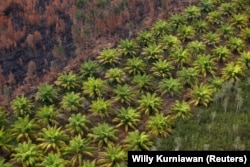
<point>118,101</point>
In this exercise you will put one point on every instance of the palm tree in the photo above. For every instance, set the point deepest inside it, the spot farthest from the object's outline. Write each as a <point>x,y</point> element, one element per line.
<point>89,68</point>
<point>137,141</point>
<point>245,34</point>
<point>181,109</point>
<point>170,86</point>
<point>52,139</point>
<point>127,117</point>
<point>115,75</point>
<point>109,57</point>
<point>236,44</point>
<point>143,82</point>
<point>196,47</point>
<point>21,106</point>
<point>214,17</point>
<point>127,47</point>
<point>221,53</point>
<point>211,38</point>
<point>232,72</point>
<point>104,134</point>
<point>201,94</point>
<point>87,163</point>
<point>47,115</point>
<point>145,38</point>
<point>68,81</point>
<point>5,139</point>
<point>227,9</point>
<point>201,26</point>
<point>3,163</point>
<point>159,125</point>
<point>77,124</point>
<point>100,107</point>
<point>72,101</point>
<point>240,20</point>
<point>135,66</point>
<point>245,58</point>
<point>192,12</point>
<point>162,68</point>
<point>4,116</point>
<point>24,129</point>
<point>150,103</point>
<point>176,20</point>
<point>226,30</point>
<point>124,94</point>
<point>181,57</point>
<point>186,32</point>
<point>188,76</point>
<point>78,148</point>
<point>204,64</point>
<point>26,154</point>
<point>112,156</point>
<point>207,6</point>
<point>46,93</point>
<point>170,42</point>
<point>54,160</point>
<point>94,87</point>
<point>153,52</point>
<point>160,28</point>
<point>217,82</point>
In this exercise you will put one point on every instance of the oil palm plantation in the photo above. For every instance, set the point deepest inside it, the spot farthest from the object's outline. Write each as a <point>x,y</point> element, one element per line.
<point>181,109</point>
<point>94,87</point>
<point>72,101</point>
<point>240,20</point>
<point>236,44</point>
<point>170,42</point>
<point>159,125</point>
<point>232,72</point>
<point>137,141</point>
<point>226,31</point>
<point>89,68</point>
<point>186,32</point>
<point>153,52</point>
<point>112,156</point>
<point>201,26</point>
<point>221,54</point>
<point>21,106</point>
<point>181,57</point>
<point>211,39</point>
<point>101,107</point>
<point>160,28</point>
<point>47,115</point>
<point>143,82</point>
<point>176,20</point>
<point>192,12</point>
<point>196,47</point>
<point>68,81</point>
<point>207,6</point>
<point>47,94</point>
<point>104,134</point>
<point>162,68</point>
<point>127,117</point>
<point>128,47</point>
<point>124,94</point>
<point>115,75</point>
<point>150,103</point>
<point>78,149</point>
<point>145,38</point>
<point>135,66</point>
<point>77,124</point>
<point>201,94</point>
<point>214,17</point>
<point>188,76</point>
<point>109,57</point>
<point>26,154</point>
<point>204,64</point>
<point>52,139</point>
<point>171,86</point>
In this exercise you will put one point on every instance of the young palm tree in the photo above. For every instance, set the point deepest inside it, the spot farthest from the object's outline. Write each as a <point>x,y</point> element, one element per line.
<point>211,38</point>
<point>4,116</point>
<point>145,38</point>
<point>115,75</point>
<point>112,156</point>
<point>176,20</point>
<point>201,94</point>
<point>124,94</point>
<point>160,28</point>
<point>192,12</point>
<point>68,81</point>
<point>153,52</point>
<point>186,32</point>
<point>170,42</point>
<point>94,87</point>
<point>87,163</point>
<point>21,106</point>
<point>150,103</point>
<point>77,124</point>
<point>236,44</point>
<point>127,117</point>
<point>3,163</point>
<point>162,68</point>
<point>143,82</point>
<point>181,57</point>
<point>170,86</point>
<point>109,57</point>
<point>54,160</point>
<point>240,20</point>
<point>159,125</point>
<point>78,148</point>
<point>245,58</point>
<point>188,76</point>
<point>5,139</point>
<point>52,139</point>
<point>137,141</point>
<point>26,154</point>
<point>245,34</point>
<point>227,9</point>
<point>127,47</point>
<point>204,64</point>
<point>196,47</point>
<point>217,83</point>
<point>226,30</point>
<point>104,134</point>
<point>232,72</point>
<point>181,109</point>
<point>201,26</point>
<point>71,101</point>
<point>24,129</point>
<point>207,6</point>
<point>46,93</point>
<point>101,107</point>
<point>89,68</point>
<point>135,66</point>
<point>47,115</point>
<point>221,54</point>
<point>214,17</point>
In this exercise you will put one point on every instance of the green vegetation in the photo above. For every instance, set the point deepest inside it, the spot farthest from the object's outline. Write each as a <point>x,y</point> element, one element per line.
<point>179,84</point>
